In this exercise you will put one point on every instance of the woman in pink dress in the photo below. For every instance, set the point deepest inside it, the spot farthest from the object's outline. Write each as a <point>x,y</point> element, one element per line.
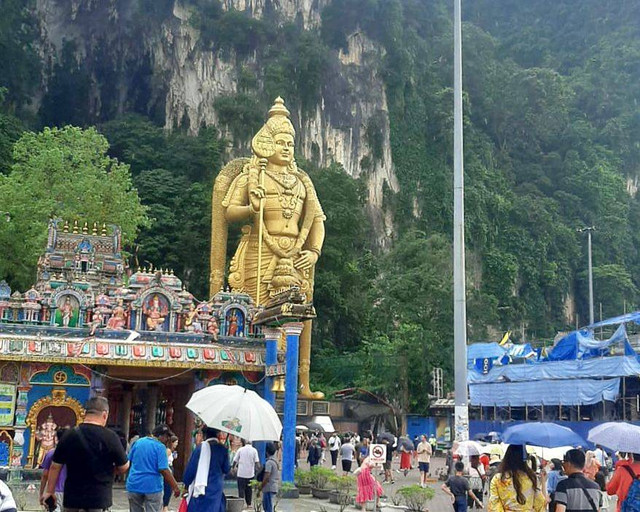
<point>369,488</point>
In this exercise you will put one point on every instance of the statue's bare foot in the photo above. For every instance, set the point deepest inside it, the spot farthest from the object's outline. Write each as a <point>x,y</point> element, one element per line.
<point>313,395</point>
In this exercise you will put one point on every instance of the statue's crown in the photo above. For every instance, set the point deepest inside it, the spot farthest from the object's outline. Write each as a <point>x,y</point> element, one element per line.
<point>263,144</point>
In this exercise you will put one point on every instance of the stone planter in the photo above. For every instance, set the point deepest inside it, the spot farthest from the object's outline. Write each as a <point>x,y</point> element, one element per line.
<point>321,494</point>
<point>290,494</point>
<point>235,504</point>
<point>304,489</point>
<point>339,498</point>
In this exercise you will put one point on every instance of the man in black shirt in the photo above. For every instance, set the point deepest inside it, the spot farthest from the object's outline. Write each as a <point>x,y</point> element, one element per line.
<point>92,454</point>
<point>577,493</point>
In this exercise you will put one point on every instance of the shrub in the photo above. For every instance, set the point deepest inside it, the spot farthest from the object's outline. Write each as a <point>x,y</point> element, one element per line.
<point>416,497</point>
<point>319,477</point>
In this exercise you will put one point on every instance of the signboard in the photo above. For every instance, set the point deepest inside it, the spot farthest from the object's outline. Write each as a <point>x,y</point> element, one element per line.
<point>7,403</point>
<point>378,453</point>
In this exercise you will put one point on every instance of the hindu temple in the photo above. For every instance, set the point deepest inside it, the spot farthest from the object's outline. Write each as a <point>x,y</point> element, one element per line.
<point>89,326</point>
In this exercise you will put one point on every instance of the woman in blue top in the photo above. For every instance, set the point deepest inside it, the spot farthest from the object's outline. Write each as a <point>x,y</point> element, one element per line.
<point>213,499</point>
<point>553,477</point>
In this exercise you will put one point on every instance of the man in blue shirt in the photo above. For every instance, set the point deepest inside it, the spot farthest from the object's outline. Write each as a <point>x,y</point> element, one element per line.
<point>149,465</point>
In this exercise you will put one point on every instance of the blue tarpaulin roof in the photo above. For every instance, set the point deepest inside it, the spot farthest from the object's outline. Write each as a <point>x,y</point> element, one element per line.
<point>583,345</point>
<point>545,392</point>
<point>485,350</point>
<point>614,366</point>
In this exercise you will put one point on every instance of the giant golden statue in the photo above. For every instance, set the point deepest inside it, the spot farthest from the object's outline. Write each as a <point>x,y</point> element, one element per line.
<point>284,231</point>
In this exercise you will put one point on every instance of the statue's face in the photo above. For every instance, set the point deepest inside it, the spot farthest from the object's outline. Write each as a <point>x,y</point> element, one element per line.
<point>284,149</point>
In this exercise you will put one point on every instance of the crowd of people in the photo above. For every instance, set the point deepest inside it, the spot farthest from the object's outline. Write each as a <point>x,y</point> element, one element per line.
<point>522,482</point>
<point>78,475</point>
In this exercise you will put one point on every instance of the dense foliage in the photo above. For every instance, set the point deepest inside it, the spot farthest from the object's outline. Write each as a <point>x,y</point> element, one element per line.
<point>552,126</point>
<point>61,173</point>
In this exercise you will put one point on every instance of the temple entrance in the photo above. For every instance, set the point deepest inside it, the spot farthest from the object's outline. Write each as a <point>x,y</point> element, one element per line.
<point>138,405</point>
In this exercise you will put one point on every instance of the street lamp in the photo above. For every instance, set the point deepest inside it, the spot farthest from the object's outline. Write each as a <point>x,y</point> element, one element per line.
<point>461,424</point>
<point>589,230</point>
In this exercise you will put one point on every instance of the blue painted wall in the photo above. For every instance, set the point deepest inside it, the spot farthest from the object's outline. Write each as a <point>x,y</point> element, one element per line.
<point>418,425</point>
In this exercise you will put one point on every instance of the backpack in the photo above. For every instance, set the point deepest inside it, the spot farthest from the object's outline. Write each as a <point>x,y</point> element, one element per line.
<point>632,501</point>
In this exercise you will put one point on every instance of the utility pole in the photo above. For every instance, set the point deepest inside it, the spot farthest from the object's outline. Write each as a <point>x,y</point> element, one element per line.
<point>461,425</point>
<point>589,230</point>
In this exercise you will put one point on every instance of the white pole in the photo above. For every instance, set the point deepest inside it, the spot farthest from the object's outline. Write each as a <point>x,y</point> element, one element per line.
<point>461,425</point>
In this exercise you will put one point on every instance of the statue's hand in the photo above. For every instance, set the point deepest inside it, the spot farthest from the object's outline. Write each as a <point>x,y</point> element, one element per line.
<point>255,195</point>
<point>305,260</point>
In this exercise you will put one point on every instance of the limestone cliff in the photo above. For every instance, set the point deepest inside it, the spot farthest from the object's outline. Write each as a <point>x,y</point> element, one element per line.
<point>149,56</point>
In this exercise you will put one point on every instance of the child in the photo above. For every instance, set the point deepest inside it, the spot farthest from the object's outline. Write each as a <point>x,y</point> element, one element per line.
<point>457,487</point>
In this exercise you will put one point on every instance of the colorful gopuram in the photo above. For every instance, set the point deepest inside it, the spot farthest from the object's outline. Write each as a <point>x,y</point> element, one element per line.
<point>142,340</point>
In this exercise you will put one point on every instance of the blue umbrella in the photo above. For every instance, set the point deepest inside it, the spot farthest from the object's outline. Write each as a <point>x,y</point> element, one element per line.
<point>548,435</point>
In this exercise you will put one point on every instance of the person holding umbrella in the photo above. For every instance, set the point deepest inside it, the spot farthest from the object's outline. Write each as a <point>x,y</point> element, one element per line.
<point>204,475</point>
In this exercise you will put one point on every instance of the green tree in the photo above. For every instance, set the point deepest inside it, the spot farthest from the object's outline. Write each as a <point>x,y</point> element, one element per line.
<point>62,173</point>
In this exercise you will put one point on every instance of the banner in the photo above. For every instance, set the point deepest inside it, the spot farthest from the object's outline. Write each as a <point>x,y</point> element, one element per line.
<point>7,404</point>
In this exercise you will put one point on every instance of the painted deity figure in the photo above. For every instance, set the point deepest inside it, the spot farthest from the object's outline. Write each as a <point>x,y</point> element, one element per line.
<point>192,320</point>
<point>292,232</point>
<point>233,324</point>
<point>118,319</point>
<point>67,312</point>
<point>46,437</point>
<point>156,313</point>
<point>213,328</point>
<point>96,322</point>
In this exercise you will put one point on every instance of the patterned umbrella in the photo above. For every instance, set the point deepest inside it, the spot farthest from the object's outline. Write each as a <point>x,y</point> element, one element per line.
<point>618,436</point>
<point>237,411</point>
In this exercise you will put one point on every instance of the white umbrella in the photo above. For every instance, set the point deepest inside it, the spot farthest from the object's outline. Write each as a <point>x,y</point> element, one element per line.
<point>237,411</point>
<point>468,448</point>
<point>618,436</point>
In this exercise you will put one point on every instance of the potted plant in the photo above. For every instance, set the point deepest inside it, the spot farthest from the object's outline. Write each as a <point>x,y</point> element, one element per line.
<point>257,500</point>
<point>415,497</point>
<point>319,479</point>
<point>302,479</point>
<point>343,486</point>
<point>288,491</point>
<point>234,504</point>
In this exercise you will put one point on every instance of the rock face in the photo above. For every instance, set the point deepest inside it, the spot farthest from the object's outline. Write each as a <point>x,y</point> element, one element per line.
<point>144,56</point>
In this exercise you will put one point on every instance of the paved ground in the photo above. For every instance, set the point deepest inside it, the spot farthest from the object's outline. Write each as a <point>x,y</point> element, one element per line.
<point>440,502</point>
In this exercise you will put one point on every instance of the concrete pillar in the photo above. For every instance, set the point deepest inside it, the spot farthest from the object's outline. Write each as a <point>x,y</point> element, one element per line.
<point>151,407</point>
<point>292,331</point>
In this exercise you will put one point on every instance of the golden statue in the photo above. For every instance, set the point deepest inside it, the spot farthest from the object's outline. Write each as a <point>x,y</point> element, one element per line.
<point>283,237</point>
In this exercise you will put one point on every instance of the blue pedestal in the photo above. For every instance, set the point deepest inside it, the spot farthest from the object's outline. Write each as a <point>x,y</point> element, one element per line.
<point>292,332</point>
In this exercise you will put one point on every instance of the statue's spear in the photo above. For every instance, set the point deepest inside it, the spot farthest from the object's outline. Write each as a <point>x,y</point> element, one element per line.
<point>263,165</point>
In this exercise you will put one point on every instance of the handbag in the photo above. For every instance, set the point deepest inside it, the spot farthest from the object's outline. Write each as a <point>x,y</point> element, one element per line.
<point>184,505</point>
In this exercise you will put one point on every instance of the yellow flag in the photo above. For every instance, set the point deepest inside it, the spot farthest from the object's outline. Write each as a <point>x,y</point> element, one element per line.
<point>505,338</point>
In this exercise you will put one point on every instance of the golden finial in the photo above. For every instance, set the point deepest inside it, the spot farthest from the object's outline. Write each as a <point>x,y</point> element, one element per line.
<point>65,228</point>
<point>85,228</point>
<point>172,272</point>
<point>278,108</point>
<point>104,229</point>
<point>144,270</point>
<point>95,229</point>
<point>75,226</point>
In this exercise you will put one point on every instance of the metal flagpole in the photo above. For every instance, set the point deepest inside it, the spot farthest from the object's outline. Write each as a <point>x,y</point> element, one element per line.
<point>461,425</point>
